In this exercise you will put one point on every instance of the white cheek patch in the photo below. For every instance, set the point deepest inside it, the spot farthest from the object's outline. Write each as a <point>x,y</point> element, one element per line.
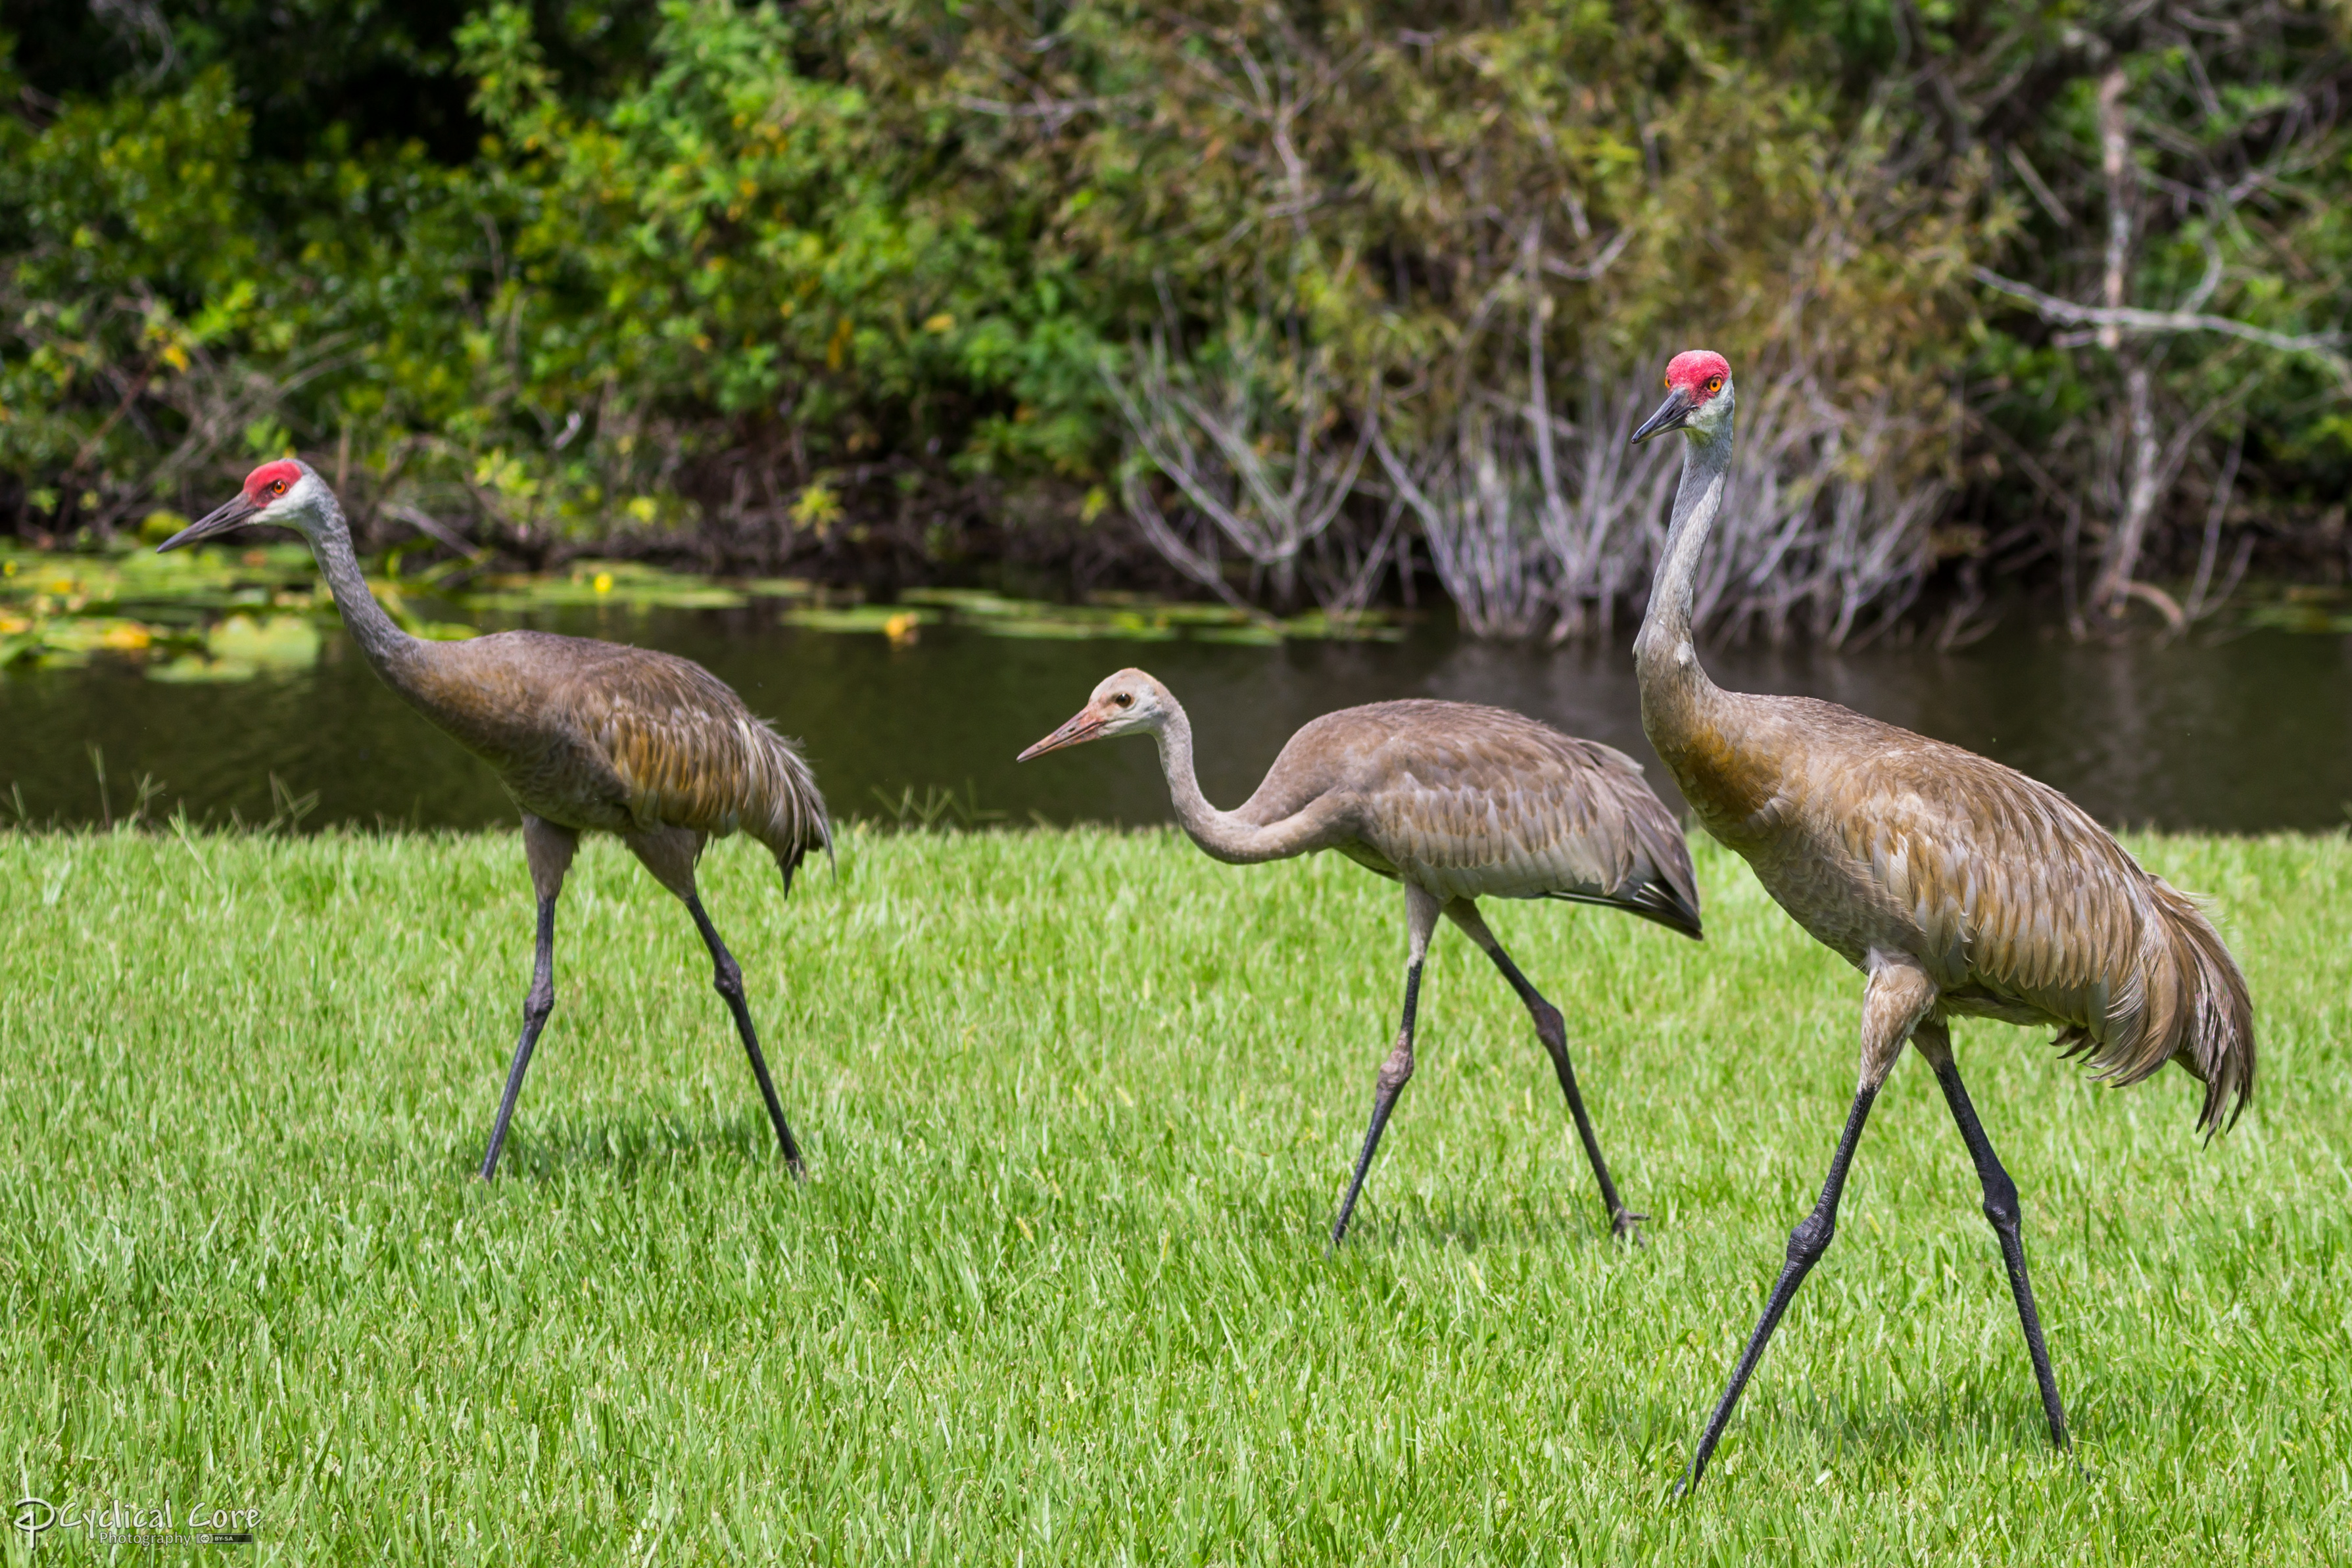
<point>289,503</point>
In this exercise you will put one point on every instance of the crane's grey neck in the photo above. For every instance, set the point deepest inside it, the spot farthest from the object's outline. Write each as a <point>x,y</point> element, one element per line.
<point>380,638</point>
<point>1663,654</point>
<point>1223,835</point>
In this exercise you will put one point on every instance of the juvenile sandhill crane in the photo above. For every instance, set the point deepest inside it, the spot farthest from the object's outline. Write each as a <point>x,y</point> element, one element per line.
<point>1959,886</point>
<point>1457,803</point>
<point>585,736</point>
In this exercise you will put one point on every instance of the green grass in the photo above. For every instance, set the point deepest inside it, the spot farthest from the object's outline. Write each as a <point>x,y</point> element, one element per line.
<point>1077,1107</point>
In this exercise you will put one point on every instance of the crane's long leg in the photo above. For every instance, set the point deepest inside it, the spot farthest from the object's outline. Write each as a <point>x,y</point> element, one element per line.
<point>549,850</point>
<point>728,978</point>
<point>1900,995</point>
<point>1553,1030</point>
<point>670,853</point>
<point>2001,1207</point>
<point>1420,920</point>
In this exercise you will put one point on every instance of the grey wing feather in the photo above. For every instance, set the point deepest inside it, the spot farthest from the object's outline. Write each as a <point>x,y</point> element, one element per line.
<point>688,753</point>
<point>1474,801</point>
<point>2025,907</point>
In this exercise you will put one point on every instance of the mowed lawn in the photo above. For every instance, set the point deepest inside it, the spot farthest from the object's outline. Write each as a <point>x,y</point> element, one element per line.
<point>1077,1107</point>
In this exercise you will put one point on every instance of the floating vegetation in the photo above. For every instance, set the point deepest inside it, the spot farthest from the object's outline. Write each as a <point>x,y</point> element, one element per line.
<point>777,587</point>
<point>241,647</point>
<point>394,597</point>
<point>881,618</point>
<point>192,615</point>
<point>224,613</point>
<point>2304,607</point>
<point>1131,618</point>
<point>596,584</point>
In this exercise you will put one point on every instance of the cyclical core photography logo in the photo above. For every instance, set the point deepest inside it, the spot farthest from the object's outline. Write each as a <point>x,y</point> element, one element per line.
<point>118,1523</point>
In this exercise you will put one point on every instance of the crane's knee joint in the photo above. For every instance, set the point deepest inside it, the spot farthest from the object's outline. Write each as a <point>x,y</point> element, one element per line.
<point>1812,1239</point>
<point>537,1005</point>
<point>727,980</point>
<point>2000,1205</point>
<point>1396,1072</point>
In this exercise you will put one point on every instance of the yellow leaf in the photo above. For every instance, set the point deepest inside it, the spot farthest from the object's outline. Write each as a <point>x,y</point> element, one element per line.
<point>817,508</point>
<point>942,322</point>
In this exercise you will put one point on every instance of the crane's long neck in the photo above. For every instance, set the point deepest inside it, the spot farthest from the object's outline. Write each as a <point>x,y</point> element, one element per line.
<point>392,652</point>
<point>1665,660</point>
<point>1223,835</point>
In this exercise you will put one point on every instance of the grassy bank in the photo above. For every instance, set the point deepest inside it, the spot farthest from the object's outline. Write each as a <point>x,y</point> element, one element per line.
<point>1077,1107</point>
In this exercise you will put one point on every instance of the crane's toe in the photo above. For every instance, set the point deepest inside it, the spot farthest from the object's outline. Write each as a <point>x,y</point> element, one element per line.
<point>1627,1225</point>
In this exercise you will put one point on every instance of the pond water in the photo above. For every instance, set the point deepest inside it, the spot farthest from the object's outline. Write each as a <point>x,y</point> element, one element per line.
<point>2244,733</point>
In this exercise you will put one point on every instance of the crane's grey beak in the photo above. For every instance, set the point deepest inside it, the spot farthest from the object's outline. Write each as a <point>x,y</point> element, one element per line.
<point>1085,725</point>
<point>1673,415</point>
<point>217,521</point>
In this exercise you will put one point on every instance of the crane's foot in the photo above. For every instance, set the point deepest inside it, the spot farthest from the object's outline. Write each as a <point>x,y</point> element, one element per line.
<point>1627,1225</point>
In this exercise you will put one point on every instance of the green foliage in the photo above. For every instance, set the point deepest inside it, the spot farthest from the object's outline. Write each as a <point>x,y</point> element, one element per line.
<point>574,272</point>
<point>1077,1108</point>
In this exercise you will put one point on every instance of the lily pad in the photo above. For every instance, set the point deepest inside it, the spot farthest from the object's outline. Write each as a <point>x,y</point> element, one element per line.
<point>590,583</point>
<point>1133,618</point>
<point>860,618</point>
<point>1077,631</point>
<point>241,648</point>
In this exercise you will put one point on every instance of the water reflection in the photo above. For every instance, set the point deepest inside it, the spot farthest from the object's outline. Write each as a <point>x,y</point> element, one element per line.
<point>2245,736</point>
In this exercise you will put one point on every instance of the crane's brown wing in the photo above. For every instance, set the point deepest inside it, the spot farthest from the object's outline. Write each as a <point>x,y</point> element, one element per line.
<point>2023,907</point>
<point>1473,801</point>
<point>685,752</point>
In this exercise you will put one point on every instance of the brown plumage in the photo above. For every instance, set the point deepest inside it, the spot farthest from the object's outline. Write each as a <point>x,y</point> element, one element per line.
<point>1457,803</point>
<point>1962,888</point>
<point>586,737</point>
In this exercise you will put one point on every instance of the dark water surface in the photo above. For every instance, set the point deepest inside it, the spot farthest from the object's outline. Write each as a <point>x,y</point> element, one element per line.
<point>2243,736</point>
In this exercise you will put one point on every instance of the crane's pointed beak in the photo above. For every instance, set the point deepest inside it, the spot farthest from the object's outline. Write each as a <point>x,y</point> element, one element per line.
<point>1084,726</point>
<point>1673,415</point>
<point>217,521</point>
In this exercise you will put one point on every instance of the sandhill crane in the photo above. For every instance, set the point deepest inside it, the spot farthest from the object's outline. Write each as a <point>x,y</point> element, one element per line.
<point>1457,803</point>
<point>586,737</point>
<point>1959,886</point>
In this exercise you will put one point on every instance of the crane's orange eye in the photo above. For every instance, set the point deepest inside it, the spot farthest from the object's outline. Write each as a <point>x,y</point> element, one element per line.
<point>278,487</point>
<point>1714,383</point>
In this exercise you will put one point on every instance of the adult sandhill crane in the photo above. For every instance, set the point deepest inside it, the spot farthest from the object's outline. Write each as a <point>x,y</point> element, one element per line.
<point>586,737</point>
<point>1457,803</point>
<point>1959,886</point>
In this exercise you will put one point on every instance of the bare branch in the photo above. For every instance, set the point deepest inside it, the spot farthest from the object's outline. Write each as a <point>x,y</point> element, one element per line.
<point>2320,345</point>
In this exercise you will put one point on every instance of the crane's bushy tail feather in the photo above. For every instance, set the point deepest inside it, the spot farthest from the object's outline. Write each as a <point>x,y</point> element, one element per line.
<point>2216,1032</point>
<point>1666,890</point>
<point>2187,1002</point>
<point>786,809</point>
<point>1649,901</point>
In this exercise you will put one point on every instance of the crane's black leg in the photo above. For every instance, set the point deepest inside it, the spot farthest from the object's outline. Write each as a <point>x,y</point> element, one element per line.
<point>1806,1244</point>
<point>548,848</point>
<point>1899,996</point>
<point>1396,1072</point>
<point>536,1006</point>
<point>1553,1030</point>
<point>1421,919</point>
<point>2001,1207</point>
<point>728,978</point>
